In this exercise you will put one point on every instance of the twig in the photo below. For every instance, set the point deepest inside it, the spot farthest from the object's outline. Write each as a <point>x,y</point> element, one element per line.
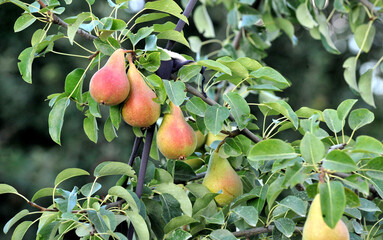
<point>369,5</point>
<point>136,146</point>
<point>260,230</point>
<point>56,20</point>
<point>180,23</point>
<point>246,132</point>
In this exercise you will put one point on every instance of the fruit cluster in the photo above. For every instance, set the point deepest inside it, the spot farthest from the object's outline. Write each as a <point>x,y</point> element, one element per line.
<point>176,139</point>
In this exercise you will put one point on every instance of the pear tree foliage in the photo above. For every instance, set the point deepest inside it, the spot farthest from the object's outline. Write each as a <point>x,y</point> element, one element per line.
<point>237,95</point>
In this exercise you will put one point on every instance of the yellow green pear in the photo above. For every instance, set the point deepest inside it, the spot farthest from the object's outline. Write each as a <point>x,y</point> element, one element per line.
<point>315,227</point>
<point>211,138</point>
<point>200,139</point>
<point>176,139</point>
<point>220,176</point>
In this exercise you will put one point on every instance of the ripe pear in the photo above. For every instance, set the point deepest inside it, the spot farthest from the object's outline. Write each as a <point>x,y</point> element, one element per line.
<point>110,85</point>
<point>176,139</point>
<point>211,138</point>
<point>139,109</point>
<point>220,176</point>
<point>315,227</point>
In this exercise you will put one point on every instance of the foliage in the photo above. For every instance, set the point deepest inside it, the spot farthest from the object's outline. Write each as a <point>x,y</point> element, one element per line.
<point>280,177</point>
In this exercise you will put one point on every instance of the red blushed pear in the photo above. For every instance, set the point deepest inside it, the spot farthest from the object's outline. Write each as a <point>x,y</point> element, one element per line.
<point>221,176</point>
<point>176,139</point>
<point>139,109</point>
<point>110,85</point>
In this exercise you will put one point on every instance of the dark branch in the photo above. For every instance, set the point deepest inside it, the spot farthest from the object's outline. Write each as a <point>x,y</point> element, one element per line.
<point>260,230</point>
<point>56,20</point>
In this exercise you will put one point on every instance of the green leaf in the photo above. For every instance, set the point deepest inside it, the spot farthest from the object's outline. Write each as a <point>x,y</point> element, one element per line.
<point>69,173</point>
<point>15,219</point>
<point>90,188</point>
<point>159,87</point>
<point>151,62</point>
<point>332,201</point>
<point>325,35</point>
<point>109,131</point>
<point>349,73</point>
<point>222,234</point>
<point>339,161</point>
<point>25,65</point>
<point>173,35</point>
<point>202,203</point>
<point>98,221</point>
<point>217,218</point>
<point>73,83</point>
<point>285,226</point>
<point>203,22</point>
<point>367,144</point>
<point>90,128</point>
<point>247,213</point>
<point>344,108</point>
<point>295,204</point>
<point>176,91</point>
<point>150,17</point>
<point>124,194</point>
<point>178,193</point>
<point>72,28</point>
<point>288,28</point>
<point>352,200</point>
<point>115,115</point>
<point>332,120</point>
<point>283,108</point>
<point>304,16</point>
<point>5,188</point>
<point>238,108</point>
<point>56,119</point>
<point>312,148</point>
<point>196,106</point>
<point>274,190</point>
<point>113,168</point>
<point>178,222</point>
<point>142,33</point>
<point>167,6</point>
<point>170,207</point>
<point>271,149</point>
<point>364,36</point>
<point>45,192</point>
<point>374,168</point>
<point>365,88</point>
<point>180,234</point>
<point>187,72</point>
<point>107,47</point>
<point>219,67</point>
<point>368,206</point>
<point>21,229</point>
<point>23,22</point>
<point>271,74</point>
<point>214,117</point>
<point>359,118</point>
<point>249,64</point>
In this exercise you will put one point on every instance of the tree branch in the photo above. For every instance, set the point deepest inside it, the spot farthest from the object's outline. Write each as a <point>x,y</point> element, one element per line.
<point>56,20</point>
<point>246,132</point>
<point>260,230</point>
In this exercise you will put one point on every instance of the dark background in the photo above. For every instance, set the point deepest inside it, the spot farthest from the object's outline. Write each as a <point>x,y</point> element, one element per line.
<point>30,160</point>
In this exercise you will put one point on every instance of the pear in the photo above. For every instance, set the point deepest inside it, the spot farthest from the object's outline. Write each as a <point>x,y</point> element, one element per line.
<point>139,110</point>
<point>220,176</point>
<point>211,138</point>
<point>200,139</point>
<point>110,85</point>
<point>194,162</point>
<point>176,139</point>
<point>315,227</point>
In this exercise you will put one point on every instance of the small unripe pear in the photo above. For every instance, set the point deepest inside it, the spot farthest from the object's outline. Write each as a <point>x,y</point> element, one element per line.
<point>176,139</point>
<point>220,176</point>
<point>194,162</point>
<point>110,85</point>
<point>211,138</point>
<point>139,109</point>
<point>315,227</point>
<point>200,139</point>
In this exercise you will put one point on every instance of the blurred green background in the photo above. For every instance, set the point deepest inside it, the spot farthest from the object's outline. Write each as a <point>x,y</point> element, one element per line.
<point>30,160</point>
